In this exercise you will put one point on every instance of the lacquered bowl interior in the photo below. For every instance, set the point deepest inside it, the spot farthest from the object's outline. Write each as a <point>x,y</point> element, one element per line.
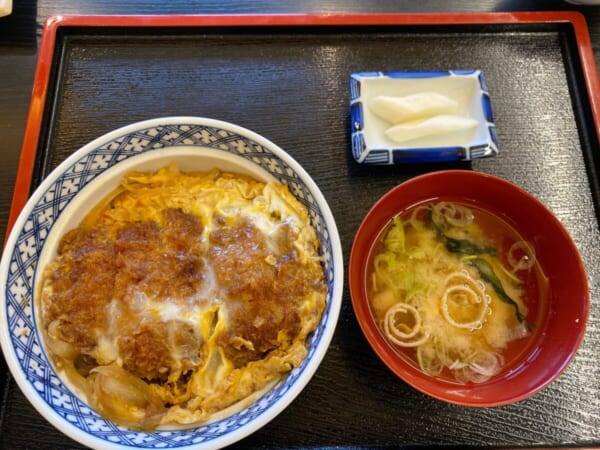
<point>555,339</point>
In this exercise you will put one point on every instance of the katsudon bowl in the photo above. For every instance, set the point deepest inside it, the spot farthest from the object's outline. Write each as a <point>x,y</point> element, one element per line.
<point>70,192</point>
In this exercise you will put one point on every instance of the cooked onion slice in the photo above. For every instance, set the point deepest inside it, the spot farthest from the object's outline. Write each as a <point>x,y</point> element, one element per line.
<point>431,357</point>
<point>453,214</point>
<point>471,292</point>
<point>392,327</point>
<point>479,367</point>
<point>418,216</point>
<point>486,363</point>
<point>124,398</point>
<point>56,344</point>
<point>521,256</point>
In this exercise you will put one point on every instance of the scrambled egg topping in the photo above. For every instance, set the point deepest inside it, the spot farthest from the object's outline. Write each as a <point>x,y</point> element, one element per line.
<point>183,296</point>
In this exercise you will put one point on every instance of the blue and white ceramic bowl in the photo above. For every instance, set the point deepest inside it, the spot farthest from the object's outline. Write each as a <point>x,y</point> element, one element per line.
<point>59,204</point>
<point>467,87</point>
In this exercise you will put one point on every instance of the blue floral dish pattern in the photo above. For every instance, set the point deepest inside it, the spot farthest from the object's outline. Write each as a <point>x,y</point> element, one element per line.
<point>19,281</point>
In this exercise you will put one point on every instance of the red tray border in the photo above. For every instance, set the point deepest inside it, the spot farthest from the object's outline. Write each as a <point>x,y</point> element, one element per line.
<point>48,42</point>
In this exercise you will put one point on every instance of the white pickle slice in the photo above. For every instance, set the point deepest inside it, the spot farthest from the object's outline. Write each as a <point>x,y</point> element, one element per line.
<point>397,110</point>
<point>433,126</point>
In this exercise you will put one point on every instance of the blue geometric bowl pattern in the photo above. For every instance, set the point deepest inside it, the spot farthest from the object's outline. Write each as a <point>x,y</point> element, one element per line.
<point>19,281</point>
<point>365,154</point>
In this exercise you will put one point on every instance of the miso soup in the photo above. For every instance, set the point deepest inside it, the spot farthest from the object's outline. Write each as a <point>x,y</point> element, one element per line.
<point>456,290</point>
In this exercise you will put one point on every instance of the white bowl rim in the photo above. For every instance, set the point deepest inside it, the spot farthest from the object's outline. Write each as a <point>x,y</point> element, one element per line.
<point>268,414</point>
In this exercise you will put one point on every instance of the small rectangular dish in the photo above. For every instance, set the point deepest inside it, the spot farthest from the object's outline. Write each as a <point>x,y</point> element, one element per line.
<point>464,132</point>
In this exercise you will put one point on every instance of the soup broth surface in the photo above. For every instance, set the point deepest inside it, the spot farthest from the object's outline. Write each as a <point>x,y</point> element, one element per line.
<point>455,290</point>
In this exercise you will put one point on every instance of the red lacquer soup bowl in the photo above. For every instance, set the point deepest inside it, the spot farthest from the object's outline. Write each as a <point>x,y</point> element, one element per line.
<point>558,320</point>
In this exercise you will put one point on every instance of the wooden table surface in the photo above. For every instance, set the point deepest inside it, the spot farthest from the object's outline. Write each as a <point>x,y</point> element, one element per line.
<point>353,400</point>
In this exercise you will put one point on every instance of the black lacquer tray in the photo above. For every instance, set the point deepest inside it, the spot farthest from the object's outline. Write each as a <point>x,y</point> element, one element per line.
<point>287,78</point>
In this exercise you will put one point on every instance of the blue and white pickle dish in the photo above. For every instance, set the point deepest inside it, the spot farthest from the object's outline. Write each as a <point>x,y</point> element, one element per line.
<point>445,116</point>
<point>70,191</point>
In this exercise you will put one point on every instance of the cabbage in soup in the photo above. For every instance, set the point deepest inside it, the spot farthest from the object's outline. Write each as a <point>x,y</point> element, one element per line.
<point>455,289</point>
